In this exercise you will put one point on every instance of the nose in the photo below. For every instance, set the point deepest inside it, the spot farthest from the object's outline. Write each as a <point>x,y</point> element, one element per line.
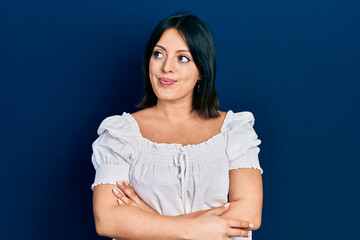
<point>168,65</point>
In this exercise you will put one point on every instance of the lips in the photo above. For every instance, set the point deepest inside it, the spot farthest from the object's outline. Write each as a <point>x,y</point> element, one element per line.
<point>166,81</point>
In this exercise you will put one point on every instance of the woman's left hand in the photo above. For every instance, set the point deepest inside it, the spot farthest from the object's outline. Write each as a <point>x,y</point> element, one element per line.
<point>127,196</point>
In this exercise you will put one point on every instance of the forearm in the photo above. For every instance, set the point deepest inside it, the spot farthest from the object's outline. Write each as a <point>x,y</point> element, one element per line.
<point>126,222</point>
<point>245,196</point>
<point>244,209</point>
<point>132,223</point>
<point>193,214</point>
<point>240,209</point>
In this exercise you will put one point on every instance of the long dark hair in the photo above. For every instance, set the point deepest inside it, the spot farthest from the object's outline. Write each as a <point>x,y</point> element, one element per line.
<point>198,37</point>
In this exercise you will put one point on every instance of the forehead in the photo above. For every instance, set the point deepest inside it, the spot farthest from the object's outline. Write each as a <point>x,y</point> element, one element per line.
<point>172,40</point>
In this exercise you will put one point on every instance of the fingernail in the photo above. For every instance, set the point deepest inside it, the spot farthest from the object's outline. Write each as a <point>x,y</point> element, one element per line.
<point>249,234</point>
<point>227,204</point>
<point>251,225</point>
<point>126,183</point>
<point>120,202</point>
<point>115,191</point>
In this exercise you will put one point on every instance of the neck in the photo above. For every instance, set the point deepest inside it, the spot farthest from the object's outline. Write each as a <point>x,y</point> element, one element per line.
<point>175,111</point>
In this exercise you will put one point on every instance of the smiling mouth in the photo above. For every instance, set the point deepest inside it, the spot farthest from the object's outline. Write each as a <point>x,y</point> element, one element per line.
<point>166,81</point>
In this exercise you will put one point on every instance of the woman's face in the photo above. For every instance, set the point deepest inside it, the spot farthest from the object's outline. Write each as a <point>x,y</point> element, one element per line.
<point>172,71</point>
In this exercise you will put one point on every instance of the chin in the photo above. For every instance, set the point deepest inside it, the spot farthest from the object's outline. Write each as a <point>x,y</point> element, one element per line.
<point>165,97</point>
<point>164,94</point>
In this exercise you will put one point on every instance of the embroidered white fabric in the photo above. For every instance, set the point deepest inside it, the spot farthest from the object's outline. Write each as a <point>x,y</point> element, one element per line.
<point>171,178</point>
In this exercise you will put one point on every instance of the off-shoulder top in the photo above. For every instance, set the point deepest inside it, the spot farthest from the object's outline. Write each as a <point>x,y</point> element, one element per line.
<point>172,178</point>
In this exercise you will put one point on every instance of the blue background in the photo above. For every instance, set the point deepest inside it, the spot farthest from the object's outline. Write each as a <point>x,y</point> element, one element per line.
<point>66,65</point>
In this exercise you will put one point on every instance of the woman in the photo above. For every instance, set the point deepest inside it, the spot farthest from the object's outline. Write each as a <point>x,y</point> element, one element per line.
<point>180,160</point>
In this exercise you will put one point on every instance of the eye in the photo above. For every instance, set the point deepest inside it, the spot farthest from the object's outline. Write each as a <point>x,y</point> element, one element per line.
<point>184,59</point>
<point>157,54</point>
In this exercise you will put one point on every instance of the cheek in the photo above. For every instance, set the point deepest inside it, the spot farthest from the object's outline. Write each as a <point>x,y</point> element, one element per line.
<point>152,70</point>
<point>192,74</point>
<point>151,66</point>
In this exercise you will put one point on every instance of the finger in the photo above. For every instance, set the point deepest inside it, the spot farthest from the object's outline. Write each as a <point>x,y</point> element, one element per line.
<point>219,210</point>
<point>235,223</point>
<point>120,184</point>
<point>125,187</point>
<point>130,193</point>
<point>235,232</point>
<point>120,202</point>
<point>122,198</point>
<point>117,192</point>
<point>125,199</point>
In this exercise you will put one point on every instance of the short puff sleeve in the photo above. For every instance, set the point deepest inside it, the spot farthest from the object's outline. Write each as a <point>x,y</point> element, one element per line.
<point>114,150</point>
<point>242,141</point>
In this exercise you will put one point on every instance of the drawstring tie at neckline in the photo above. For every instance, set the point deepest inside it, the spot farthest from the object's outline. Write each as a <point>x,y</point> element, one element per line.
<point>182,160</point>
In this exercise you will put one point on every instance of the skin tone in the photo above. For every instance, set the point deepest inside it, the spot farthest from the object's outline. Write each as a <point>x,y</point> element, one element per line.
<point>171,120</point>
<point>172,59</point>
<point>119,211</point>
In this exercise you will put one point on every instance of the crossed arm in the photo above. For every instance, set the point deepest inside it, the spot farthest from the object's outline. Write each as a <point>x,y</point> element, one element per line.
<point>133,219</point>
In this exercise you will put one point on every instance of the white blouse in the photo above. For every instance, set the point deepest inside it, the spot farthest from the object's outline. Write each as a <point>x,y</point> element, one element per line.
<point>171,178</point>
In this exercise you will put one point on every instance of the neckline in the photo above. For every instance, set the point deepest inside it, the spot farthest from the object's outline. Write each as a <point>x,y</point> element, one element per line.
<point>179,145</point>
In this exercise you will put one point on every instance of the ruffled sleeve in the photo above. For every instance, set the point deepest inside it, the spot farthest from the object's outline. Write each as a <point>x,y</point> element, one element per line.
<point>242,141</point>
<point>114,150</point>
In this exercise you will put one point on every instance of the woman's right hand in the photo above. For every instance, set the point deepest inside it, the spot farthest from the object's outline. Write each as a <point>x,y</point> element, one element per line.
<point>211,226</point>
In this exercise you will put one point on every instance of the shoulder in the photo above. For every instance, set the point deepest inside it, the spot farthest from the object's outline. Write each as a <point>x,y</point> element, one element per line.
<point>238,120</point>
<point>118,125</point>
<point>146,113</point>
<point>222,114</point>
<point>240,135</point>
<point>146,119</point>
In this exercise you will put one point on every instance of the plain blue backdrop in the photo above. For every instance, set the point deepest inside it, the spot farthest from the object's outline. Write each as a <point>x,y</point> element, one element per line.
<point>66,65</point>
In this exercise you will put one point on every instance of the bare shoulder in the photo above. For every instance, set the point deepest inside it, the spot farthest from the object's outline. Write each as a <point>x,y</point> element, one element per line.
<point>143,114</point>
<point>146,119</point>
<point>212,125</point>
<point>222,114</point>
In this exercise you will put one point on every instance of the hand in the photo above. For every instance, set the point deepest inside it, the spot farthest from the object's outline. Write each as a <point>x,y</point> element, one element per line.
<point>211,226</point>
<point>127,196</point>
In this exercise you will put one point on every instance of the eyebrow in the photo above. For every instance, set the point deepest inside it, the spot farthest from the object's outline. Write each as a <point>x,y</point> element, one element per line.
<point>176,51</point>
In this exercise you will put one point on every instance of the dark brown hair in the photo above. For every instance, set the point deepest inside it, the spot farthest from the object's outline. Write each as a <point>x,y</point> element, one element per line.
<point>198,37</point>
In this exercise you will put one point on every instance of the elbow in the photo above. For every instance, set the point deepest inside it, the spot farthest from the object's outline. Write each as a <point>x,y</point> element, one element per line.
<point>106,227</point>
<point>256,226</point>
<point>256,221</point>
<point>102,228</point>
